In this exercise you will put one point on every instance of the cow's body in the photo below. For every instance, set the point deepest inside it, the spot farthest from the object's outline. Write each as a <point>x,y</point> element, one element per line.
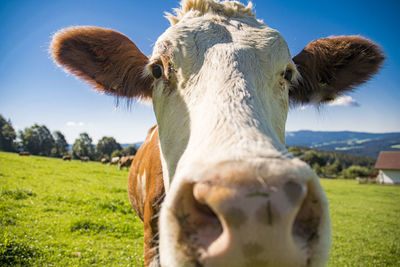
<point>221,83</point>
<point>114,160</point>
<point>66,157</point>
<point>125,161</point>
<point>146,190</point>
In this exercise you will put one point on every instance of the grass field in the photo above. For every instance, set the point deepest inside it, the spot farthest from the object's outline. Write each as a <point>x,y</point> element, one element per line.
<point>57,213</point>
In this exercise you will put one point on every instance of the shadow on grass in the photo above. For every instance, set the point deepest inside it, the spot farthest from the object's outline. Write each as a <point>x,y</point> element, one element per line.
<point>17,194</point>
<point>16,253</point>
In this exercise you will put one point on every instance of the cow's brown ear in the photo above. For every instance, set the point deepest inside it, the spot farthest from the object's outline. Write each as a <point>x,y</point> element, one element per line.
<point>106,59</point>
<point>331,66</point>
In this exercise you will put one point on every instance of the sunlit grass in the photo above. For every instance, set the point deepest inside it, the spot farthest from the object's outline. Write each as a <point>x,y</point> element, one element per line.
<point>61,213</point>
<point>365,223</point>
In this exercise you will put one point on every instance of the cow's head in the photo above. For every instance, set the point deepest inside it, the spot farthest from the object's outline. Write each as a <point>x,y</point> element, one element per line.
<point>221,83</point>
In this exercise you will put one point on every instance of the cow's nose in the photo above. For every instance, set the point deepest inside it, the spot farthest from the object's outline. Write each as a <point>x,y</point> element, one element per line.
<point>243,221</point>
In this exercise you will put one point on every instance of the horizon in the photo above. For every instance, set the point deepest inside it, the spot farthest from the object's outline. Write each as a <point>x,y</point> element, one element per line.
<point>34,90</point>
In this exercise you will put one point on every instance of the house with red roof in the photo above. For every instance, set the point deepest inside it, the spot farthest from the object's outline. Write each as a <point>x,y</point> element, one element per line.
<point>388,164</point>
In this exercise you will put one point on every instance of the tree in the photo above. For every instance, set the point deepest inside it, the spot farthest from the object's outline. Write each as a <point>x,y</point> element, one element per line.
<point>295,151</point>
<point>37,140</point>
<point>60,145</point>
<point>317,169</point>
<point>129,150</point>
<point>355,171</point>
<point>311,157</point>
<point>83,147</point>
<point>106,146</point>
<point>116,153</point>
<point>7,135</point>
<point>333,169</point>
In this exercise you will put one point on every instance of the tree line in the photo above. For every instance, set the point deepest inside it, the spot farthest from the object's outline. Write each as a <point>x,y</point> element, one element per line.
<point>38,140</point>
<point>335,164</point>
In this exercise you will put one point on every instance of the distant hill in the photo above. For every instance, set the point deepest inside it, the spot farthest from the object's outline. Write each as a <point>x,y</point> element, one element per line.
<point>358,143</point>
<point>137,144</point>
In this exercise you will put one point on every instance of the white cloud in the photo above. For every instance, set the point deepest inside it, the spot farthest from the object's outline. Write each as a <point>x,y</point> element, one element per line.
<point>304,107</point>
<point>345,101</point>
<point>74,124</point>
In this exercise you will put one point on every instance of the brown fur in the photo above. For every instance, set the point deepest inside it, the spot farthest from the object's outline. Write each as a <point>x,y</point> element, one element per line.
<point>66,157</point>
<point>331,66</point>
<point>125,161</point>
<point>106,59</point>
<point>147,160</point>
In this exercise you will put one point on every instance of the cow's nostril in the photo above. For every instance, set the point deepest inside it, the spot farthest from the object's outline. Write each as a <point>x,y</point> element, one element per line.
<point>294,192</point>
<point>200,225</point>
<point>307,222</point>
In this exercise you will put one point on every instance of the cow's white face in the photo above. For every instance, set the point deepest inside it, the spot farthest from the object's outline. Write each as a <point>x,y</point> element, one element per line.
<point>220,82</point>
<point>225,80</point>
<point>222,105</point>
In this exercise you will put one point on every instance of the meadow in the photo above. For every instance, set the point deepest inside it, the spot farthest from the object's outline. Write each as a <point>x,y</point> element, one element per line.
<point>69,213</point>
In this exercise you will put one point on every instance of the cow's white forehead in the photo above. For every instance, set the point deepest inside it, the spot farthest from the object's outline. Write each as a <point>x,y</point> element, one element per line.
<point>194,35</point>
<point>214,28</point>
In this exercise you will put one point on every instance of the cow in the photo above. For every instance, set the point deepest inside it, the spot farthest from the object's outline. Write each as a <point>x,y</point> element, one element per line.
<point>66,157</point>
<point>104,160</point>
<point>213,181</point>
<point>84,159</point>
<point>114,160</point>
<point>125,161</point>
<point>24,153</point>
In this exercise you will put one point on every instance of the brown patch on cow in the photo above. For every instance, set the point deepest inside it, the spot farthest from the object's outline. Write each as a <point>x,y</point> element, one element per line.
<point>147,160</point>
<point>235,217</point>
<point>333,65</point>
<point>104,58</point>
<point>125,161</point>
<point>66,157</point>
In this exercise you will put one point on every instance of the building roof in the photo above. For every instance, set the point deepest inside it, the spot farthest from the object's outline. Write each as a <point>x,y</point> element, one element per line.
<point>388,160</point>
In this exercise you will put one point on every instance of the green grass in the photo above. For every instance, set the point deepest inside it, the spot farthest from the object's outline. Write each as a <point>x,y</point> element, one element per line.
<point>365,223</point>
<point>66,213</point>
<point>61,213</point>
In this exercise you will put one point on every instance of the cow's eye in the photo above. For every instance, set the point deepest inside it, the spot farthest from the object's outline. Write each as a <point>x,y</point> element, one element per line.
<point>157,71</point>
<point>288,75</point>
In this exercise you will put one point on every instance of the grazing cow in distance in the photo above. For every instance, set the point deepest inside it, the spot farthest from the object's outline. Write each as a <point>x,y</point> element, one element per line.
<point>24,153</point>
<point>125,161</point>
<point>104,160</point>
<point>114,160</point>
<point>66,157</point>
<point>84,159</point>
<point>221,83</point>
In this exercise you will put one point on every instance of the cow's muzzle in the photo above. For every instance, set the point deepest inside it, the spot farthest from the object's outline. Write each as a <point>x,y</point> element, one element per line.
<point>242,214</point>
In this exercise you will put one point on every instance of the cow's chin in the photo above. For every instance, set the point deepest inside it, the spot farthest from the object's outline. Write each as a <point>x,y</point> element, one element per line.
<point>202,238</point>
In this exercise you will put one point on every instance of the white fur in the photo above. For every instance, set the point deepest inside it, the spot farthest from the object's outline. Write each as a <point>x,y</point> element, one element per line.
<point>229,102</point>
<point>143,184</point>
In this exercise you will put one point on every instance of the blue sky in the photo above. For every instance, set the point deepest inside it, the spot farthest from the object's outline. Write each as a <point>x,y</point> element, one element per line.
<point>34,90</point>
